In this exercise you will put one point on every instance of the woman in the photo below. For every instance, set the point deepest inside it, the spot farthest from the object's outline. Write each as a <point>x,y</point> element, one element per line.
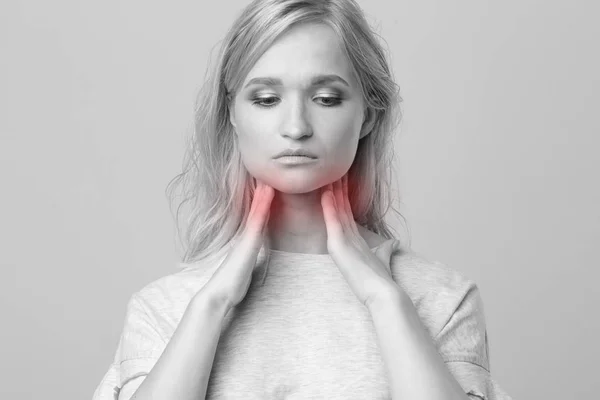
<point>293,286</point>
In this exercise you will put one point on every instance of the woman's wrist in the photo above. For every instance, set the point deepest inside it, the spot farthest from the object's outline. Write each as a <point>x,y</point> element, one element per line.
<point>204,301</point>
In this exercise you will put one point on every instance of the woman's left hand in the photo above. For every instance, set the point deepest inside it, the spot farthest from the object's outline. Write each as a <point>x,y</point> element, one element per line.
<point>368,274</point>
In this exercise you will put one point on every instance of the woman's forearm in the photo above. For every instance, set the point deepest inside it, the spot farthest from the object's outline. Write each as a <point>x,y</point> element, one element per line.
<point>416,370</point>
<point>183,370</point>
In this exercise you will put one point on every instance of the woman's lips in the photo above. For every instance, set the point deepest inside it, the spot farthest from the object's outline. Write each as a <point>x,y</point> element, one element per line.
<point>295,160</point>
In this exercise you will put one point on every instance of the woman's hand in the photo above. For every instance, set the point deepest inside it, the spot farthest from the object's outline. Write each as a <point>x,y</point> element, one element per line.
<point>231,281</point>
<point>368,274</point>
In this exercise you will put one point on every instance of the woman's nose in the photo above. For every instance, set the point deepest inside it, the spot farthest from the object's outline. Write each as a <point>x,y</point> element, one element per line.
<point>296,123</point>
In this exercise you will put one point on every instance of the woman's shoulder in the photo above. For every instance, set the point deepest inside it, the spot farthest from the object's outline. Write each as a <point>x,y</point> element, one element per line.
<point>421,271</point>
<point>173,291</point>
<point>421,276</point>
<point>415,269</point>
<point>435,288</point>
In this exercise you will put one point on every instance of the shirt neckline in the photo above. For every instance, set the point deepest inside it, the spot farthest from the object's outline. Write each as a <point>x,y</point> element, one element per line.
<point>287,254</point>
<point>273,254</point>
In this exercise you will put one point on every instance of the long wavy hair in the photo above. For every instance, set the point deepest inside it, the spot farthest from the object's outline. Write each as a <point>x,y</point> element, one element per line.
<point>215,184</point>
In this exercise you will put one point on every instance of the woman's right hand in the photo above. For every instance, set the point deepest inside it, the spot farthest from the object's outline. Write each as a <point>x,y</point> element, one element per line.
<point>230,282</point>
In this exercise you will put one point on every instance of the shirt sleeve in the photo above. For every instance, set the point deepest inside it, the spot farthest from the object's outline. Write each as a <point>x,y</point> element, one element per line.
<point>463,345</point>
<point>140,346</point>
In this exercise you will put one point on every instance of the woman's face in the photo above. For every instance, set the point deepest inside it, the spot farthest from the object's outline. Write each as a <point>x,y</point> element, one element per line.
<point>290,112</point>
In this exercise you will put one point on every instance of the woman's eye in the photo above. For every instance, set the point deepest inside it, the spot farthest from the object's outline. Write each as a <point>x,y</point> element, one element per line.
<point>261,101</point>
<point>331,101</point>
<point>265,102</point>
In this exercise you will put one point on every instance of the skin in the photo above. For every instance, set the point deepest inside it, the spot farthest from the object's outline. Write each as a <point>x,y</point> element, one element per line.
<point>327,120</point>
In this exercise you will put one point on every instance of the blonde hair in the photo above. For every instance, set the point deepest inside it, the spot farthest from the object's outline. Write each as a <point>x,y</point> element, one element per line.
<point>215,183</point>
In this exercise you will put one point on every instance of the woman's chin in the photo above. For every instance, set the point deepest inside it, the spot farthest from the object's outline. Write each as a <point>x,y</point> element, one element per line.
<point>289,188</point>
<point>294,186</point>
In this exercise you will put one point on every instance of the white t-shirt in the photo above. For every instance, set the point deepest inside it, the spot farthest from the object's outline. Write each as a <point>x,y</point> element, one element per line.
<point>303,334</point>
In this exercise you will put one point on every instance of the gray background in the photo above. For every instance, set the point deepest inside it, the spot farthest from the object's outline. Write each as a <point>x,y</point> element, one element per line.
<point>497,156</point>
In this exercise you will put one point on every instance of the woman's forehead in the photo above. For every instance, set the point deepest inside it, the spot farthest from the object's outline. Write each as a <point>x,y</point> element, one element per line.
<point>303,57</point>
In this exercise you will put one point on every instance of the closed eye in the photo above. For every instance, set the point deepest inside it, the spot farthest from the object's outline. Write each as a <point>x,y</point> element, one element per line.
<point>329,101</point>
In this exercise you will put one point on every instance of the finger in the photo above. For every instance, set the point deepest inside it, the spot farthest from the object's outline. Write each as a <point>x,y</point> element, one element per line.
<point>260,208</point>
<point>264,205</point>
<point>265,224</point>
<point>332,223</point>
<point>328,190</point>
<point>255,200</point>
<point>347,206</point>
<point>339,200</point>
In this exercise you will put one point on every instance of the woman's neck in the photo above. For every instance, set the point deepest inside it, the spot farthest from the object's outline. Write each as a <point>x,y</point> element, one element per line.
<point>296,223</point>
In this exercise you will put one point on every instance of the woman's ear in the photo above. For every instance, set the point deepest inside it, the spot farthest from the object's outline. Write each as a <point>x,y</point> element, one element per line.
<point>368,122</point>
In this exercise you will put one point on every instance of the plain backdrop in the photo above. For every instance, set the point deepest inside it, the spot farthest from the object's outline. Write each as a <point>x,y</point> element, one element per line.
<point>497,159</point>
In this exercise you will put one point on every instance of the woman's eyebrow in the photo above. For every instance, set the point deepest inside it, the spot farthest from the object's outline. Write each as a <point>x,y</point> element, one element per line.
<point>316,81</point>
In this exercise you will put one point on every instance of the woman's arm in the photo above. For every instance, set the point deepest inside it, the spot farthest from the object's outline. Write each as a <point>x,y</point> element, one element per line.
<point>183,369</point>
